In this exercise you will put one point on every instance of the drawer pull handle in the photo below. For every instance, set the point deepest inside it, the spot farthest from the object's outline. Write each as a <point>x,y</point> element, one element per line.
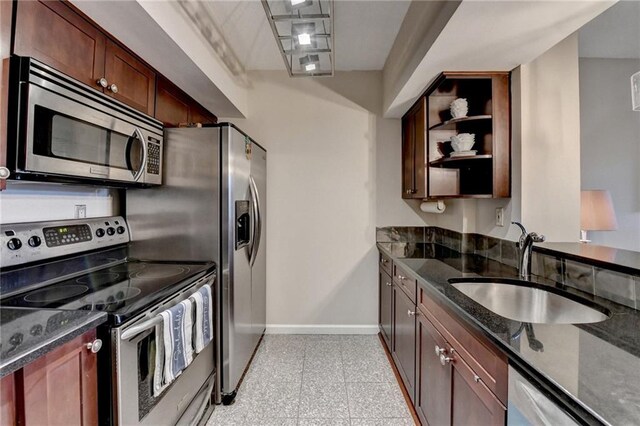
<point>411,313</point>
<point>401,278</point>
<point>440,351</point>
<point>94,346</point>
<point>384,261</point>
<point>444,360</point>
<point>4,173</point>
<point>389,284</point>
<point>476,378</point>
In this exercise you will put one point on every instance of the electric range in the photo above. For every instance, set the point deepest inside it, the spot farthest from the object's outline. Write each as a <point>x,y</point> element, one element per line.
<point>85,265</point>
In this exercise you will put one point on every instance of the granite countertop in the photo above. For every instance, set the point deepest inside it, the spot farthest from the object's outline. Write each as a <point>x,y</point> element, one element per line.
<point>593,368</point>
<point>626,261</point>
<point>27,334</point>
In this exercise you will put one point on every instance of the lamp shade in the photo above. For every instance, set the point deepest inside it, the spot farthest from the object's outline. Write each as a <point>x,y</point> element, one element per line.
<point>596,211</point>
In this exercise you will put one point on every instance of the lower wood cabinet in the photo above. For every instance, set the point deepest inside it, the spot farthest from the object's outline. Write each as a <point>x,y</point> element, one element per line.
<point>385,313</point>
<point>404,337</point>
<point>59,388</point>
<point>453,374</point>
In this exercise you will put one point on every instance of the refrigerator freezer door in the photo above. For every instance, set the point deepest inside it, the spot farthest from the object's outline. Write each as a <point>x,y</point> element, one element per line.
<point>259,268</point>
<point>237,333</point>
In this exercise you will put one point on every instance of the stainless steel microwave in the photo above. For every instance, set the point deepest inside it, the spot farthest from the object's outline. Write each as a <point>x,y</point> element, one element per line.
<point>63,130</point>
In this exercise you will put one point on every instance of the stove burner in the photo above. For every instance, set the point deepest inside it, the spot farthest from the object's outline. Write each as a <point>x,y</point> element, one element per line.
<point>55,293</point>
<point>113,295</point>
<point>127,267</point>
<point>98,279</point>
<point>160,271</point>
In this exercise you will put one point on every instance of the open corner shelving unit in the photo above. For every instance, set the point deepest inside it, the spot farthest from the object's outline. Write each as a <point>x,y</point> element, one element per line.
<point>486,174</point>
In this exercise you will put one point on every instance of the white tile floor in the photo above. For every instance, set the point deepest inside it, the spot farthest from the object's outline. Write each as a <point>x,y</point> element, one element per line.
<point>317,380</point>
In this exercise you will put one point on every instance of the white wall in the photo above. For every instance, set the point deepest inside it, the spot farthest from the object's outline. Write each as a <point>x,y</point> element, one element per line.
<point>34,202</point>
<point>326,143</point>
<point>610,144</point>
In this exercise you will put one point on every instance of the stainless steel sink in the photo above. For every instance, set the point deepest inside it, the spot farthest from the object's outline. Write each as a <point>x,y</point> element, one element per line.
<point>528,302</point>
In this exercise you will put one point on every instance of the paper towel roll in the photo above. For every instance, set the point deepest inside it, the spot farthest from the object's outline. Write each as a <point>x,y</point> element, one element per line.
<point>433,206</point>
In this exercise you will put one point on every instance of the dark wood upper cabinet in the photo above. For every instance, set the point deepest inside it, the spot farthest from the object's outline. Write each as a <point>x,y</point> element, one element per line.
<point>414,170</point>
<point>484,170</point>
<point>61,387</point>
<point>174,107</point>
<point>129,80</point>
<point>51,32</point>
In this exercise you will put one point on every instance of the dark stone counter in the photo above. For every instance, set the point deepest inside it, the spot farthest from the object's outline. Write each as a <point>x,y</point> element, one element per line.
<point>27,334</point>
<point>593,369</point>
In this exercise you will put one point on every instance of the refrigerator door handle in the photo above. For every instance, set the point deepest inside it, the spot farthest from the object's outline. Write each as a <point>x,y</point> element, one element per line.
<point>257,228</point>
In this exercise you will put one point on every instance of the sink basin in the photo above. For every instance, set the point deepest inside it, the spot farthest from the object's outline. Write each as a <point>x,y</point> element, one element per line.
<point>530,302</point>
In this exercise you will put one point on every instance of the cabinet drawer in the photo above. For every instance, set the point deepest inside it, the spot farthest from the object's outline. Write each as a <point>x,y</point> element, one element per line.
<point>488,362</point>
<point>407,284</point>
<point>386,264</point>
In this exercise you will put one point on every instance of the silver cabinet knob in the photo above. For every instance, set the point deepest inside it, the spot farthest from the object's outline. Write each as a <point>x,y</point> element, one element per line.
<point>113,88</point>
<point>411,313</point>
<point>103,82</point>
<point>384,261</point>
<point>401,278</point>
<point>439,350</point>
<point>94,346</point>
<point>389,284</point>
<point>444,360</point>
<point>4,173</point>
<point>476,378</point>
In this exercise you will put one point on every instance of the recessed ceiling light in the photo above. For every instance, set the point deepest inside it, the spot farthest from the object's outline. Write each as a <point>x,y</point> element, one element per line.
<point>301,3</point>
<point>304,39</point>
<point>310,62</point>
<point>310,67</point>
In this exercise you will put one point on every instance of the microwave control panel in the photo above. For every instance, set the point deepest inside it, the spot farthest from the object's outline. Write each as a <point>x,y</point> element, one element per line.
<point>153,161</point>
<point>32,242</point>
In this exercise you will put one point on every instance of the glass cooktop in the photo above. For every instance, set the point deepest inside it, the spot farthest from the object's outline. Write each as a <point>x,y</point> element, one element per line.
<point>123,290</point>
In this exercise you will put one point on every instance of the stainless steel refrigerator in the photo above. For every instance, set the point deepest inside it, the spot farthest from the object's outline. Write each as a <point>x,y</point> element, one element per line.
<point>212,206</point>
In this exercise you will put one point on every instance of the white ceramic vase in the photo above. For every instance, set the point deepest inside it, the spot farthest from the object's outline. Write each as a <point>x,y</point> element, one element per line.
<point>459,108</point>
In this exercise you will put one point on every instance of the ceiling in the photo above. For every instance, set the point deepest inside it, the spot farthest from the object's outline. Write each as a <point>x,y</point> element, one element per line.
<point>614,34</point>
<point>364,29</point>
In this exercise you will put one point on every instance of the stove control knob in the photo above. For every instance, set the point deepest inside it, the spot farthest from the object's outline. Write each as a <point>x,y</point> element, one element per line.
<point>120,229</point>
<point>99,232</point>
<point>14,244</point>
<point>111,231</point>
<point>34,241</point>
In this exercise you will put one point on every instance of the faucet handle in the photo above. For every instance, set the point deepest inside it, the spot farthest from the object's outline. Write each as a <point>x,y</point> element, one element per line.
<point>537,238</point>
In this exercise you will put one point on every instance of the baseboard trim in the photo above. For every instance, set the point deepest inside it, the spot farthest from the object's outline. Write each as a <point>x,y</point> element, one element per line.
<point>321,329</point>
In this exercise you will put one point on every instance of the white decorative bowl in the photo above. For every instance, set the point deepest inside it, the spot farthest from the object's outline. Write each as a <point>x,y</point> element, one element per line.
<point>459,108</point>
<point>463,141</point>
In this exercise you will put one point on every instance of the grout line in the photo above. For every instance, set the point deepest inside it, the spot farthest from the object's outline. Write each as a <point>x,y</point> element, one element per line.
<point>344,376</point>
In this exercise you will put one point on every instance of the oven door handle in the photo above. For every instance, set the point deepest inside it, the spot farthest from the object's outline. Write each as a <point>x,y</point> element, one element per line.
<point>137,329</point>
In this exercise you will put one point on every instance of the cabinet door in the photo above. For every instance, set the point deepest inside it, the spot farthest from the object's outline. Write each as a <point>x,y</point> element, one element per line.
<point>135,83</point>
<point>60,388</point>
<point>51,32</point>
<point>198,114</point>
<point>8,400</point>
<point>433,380</point>
<point>472,402</point>
<point>172,105</point>
<point>404,338</point>
<point>420,150</point>
<point>386,305</point>
<point>408,149</point>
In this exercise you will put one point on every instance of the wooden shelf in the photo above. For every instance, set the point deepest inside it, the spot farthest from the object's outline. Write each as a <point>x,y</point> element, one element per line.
<point>452,124</point>
<point>460,159</point>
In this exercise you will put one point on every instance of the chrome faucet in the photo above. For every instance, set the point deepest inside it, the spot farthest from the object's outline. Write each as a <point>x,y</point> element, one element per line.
<point>525,244</point>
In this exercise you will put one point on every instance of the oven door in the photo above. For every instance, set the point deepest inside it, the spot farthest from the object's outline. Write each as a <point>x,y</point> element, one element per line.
<point>65,137</point>
<point>134,354</point>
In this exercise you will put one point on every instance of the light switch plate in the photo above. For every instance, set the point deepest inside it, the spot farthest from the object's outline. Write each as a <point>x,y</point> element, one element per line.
<point>500,216</point>
<point>635,91</point>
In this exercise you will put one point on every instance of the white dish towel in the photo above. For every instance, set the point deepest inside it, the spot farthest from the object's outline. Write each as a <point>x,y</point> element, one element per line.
<point>174,352</point>
<point>203,330</point>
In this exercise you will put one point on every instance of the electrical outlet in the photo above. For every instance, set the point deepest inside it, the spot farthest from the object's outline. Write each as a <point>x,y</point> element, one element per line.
<point>500,216</point>
<point>81,211</point>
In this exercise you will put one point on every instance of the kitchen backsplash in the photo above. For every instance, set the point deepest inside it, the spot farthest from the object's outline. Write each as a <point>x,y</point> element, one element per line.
<point>619,287</point>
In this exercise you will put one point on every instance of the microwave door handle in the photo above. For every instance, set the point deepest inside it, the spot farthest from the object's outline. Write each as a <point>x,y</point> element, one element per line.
<point>137,175</point>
